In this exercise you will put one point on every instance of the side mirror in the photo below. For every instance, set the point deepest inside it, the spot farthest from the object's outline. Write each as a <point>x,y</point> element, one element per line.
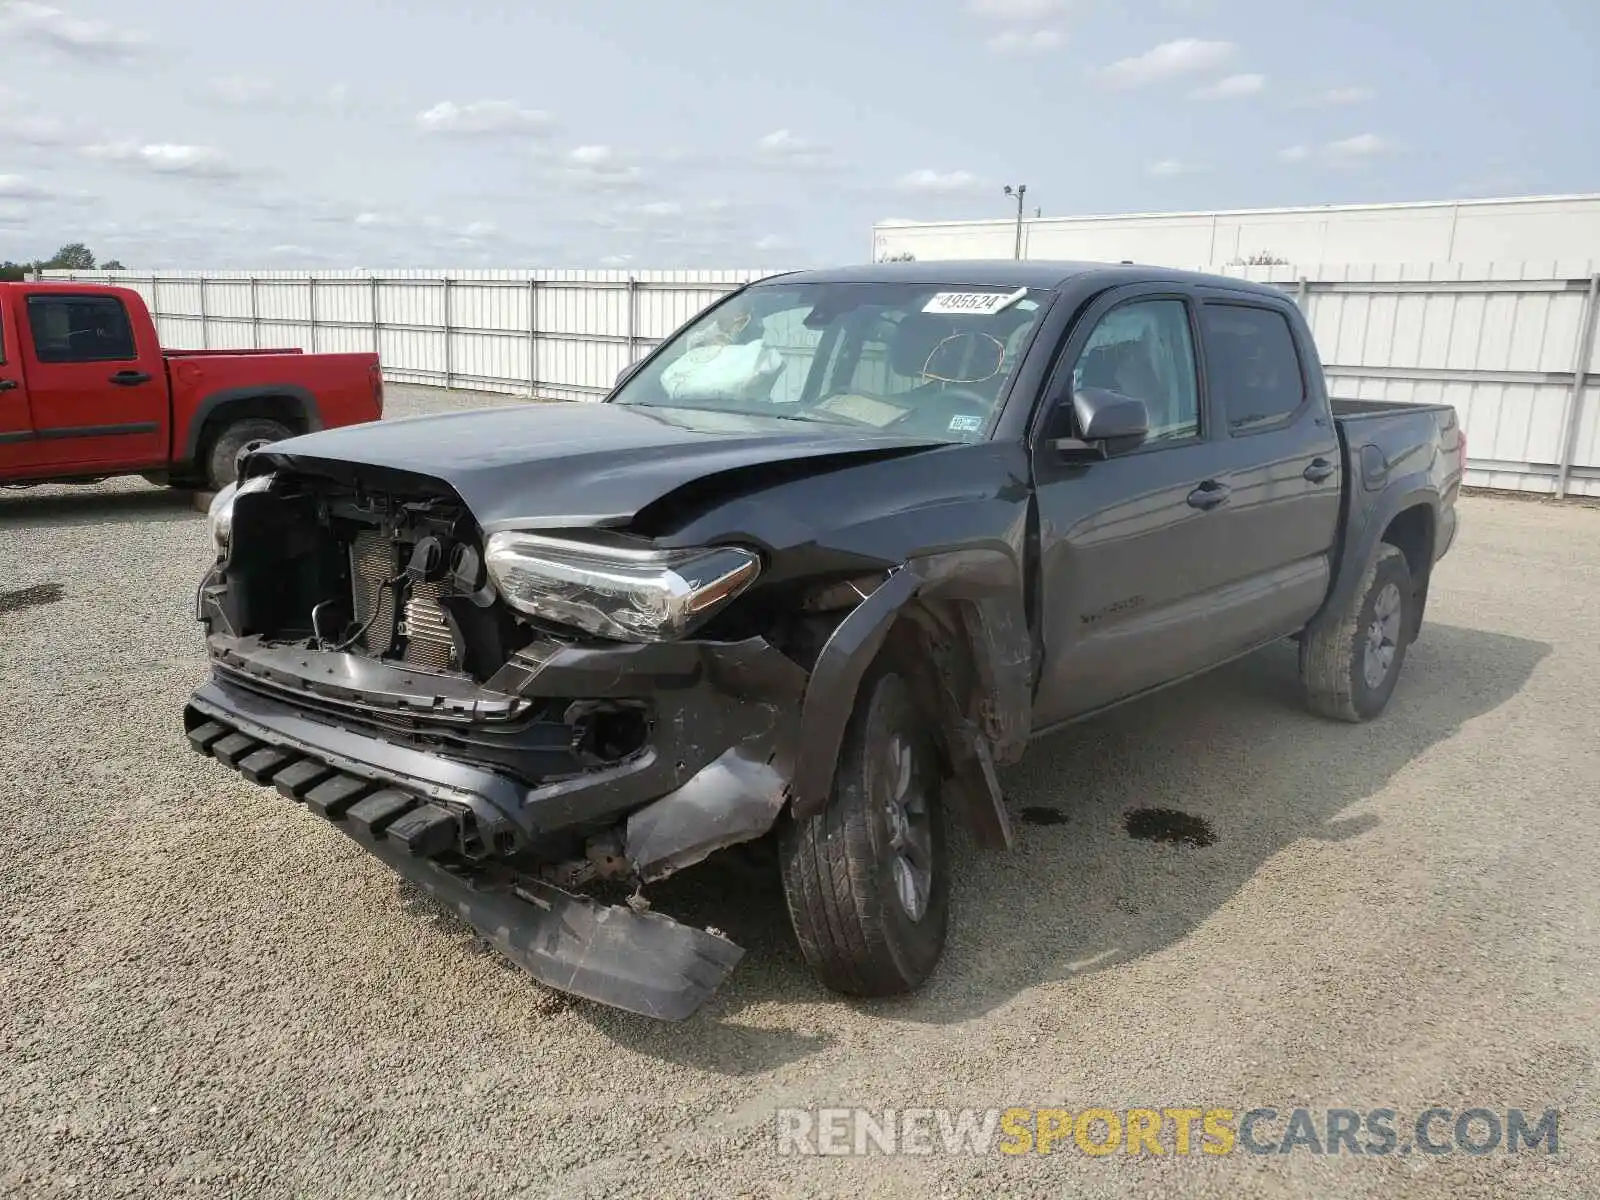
<point>1107,422</point>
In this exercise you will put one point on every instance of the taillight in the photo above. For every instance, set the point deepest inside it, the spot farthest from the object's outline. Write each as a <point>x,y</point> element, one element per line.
<point>375,377</point>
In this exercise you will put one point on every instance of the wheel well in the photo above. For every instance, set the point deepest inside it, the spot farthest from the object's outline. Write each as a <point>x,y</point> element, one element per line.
<point>284,409</point>
<point>928,645</point>
<point>1411,532</point>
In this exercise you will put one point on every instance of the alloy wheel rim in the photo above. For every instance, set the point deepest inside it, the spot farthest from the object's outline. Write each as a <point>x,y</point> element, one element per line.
<point>1383,636</point>
<point>910,827</point>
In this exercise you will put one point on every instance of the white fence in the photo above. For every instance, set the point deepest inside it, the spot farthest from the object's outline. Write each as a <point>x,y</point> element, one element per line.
<point>1511,346</point>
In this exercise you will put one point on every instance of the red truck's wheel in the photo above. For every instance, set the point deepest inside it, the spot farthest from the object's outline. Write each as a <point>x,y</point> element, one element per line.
<point>1349,666</point>
<point>220,470</point>
<point>867,878</point>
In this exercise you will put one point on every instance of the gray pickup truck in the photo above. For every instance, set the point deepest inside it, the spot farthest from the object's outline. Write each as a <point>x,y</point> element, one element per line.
<point>820,563</point>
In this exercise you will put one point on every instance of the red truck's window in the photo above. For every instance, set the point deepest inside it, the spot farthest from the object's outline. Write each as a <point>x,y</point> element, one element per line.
<point>68,328</point>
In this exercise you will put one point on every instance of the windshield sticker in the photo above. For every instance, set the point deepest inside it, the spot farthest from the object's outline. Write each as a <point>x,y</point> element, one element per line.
<point>965,423</point>
<point>976,304</point>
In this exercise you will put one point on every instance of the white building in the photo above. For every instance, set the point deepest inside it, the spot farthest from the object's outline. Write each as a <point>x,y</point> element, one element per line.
<point>1520,229</point>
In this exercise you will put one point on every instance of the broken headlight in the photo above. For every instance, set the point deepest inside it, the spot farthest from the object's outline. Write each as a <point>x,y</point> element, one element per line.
<point>220,514</point>
<point>635,594</point>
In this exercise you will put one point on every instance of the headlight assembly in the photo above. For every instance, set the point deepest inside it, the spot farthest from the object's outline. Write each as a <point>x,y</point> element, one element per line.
<point>220,514</point>
<point>635,595</point>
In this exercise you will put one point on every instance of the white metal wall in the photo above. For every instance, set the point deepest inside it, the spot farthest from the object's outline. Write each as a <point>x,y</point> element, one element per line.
<point>1522,229</point>
<point>1511,346</point>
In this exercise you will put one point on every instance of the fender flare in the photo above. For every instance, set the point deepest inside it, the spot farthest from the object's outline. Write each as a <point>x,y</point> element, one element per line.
<point>298,395</point>
<point>996,634</point>
<point>1361,539</point>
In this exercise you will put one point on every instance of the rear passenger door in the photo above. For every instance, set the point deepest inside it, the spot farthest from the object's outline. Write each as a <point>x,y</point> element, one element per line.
<point>99,398</point>
<point>1282,459</point>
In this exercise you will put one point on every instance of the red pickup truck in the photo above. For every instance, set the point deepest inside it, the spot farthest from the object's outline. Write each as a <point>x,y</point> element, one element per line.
<point>86,391</point>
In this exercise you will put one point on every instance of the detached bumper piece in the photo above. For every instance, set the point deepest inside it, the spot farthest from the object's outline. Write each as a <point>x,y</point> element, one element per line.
<point>639,961</point>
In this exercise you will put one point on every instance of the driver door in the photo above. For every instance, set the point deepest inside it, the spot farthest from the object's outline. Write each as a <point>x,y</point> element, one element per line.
<point>1133,547</point>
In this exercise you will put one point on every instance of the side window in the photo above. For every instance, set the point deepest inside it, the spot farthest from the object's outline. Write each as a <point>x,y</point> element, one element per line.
<point>1253,365</point>
<point>1144,349</point>
<point>68,329</point>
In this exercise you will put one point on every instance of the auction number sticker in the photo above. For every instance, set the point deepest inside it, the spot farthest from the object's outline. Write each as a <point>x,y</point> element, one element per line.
<point>977,304</point>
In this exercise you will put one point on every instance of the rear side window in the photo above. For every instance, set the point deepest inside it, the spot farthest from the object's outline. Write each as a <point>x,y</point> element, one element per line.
<point>1253,365</point>
<point>68,328</point>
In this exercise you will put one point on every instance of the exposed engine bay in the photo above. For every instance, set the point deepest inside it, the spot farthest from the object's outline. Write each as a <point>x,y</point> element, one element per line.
<point>395,577</point>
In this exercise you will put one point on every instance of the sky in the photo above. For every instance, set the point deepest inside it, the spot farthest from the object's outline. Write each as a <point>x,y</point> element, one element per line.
<point>741,133</point>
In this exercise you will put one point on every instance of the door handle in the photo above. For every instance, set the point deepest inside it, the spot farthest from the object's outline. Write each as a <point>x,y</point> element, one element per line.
<point>7,385</point>
<point>1209,494</point>
<point>1319,470</point>
<point>130,378</point>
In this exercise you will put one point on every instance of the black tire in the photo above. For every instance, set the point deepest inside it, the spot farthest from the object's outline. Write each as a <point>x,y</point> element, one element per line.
<point>1334,657</point>
<point>233,438</point>
<point>842,872</point>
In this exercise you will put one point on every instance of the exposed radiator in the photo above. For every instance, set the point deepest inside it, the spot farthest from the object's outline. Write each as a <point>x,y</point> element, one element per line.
<point>374,559</point>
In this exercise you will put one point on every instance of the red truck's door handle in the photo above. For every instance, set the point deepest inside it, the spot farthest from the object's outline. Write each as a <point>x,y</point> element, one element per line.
<point>1209,494</point>
<point>7,385</point>
<point>1319,470</point>
<point>130,378</point>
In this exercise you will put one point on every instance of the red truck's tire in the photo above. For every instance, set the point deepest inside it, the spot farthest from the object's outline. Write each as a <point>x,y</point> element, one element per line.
<point>844,868</point>
<point>233,438</point>
<point>1339,660</point>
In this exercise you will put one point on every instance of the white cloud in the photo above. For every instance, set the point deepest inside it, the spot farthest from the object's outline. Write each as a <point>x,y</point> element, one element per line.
<point>165,158</point>
<point>616,260</point>
<point>772,242</point>
<point>1169,60</point>
<point>1016,41</point>
<point>1169,167</point>
<point>1232,86</point>
<point>484,118</point>
<point>599,167</point>
<point>660,208</point>
<point>782,148</point>
<point>36,131</point>
<point>943,183</point>
<point>242,89</point>
<point>1361,146</point>
<point>68,34</point>
<point>1345,95</point>
<point>1016,10</point>
<point>18,187</point>
<point>1345,152</point>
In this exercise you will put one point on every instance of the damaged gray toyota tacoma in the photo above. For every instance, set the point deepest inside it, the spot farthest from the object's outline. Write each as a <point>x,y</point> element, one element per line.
<point>822,562</point>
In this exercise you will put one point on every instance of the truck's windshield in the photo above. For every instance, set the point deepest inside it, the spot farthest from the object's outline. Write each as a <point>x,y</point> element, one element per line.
<point>924,359</point>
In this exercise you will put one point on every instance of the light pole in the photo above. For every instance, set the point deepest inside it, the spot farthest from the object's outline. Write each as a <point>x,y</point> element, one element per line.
<point>1019,192</point>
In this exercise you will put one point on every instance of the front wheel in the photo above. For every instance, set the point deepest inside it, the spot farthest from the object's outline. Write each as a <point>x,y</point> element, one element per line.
<point>1349,665</point>
<point>247,434</point>
<point>867,878</point>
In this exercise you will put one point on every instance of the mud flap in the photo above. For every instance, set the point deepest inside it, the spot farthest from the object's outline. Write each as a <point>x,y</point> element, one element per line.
<point>639,961</point>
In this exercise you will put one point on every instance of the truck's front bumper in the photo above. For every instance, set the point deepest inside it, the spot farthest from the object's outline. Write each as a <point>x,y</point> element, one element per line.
<point>713,771</point>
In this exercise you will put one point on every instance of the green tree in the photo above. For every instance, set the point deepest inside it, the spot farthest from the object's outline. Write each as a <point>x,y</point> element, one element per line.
<point>74,256</point>
<point>114,264</point>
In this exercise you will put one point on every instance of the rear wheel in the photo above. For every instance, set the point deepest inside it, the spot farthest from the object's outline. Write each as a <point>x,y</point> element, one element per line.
<point>867,878</point>
<point>1349,666</point>
<point>248,433</point>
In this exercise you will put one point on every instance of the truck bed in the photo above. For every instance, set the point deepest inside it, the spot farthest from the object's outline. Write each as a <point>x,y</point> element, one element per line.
<point>1355,410</point>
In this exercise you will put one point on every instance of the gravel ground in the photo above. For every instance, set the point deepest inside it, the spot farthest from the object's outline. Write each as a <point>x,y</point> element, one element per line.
<point>204,991</point>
